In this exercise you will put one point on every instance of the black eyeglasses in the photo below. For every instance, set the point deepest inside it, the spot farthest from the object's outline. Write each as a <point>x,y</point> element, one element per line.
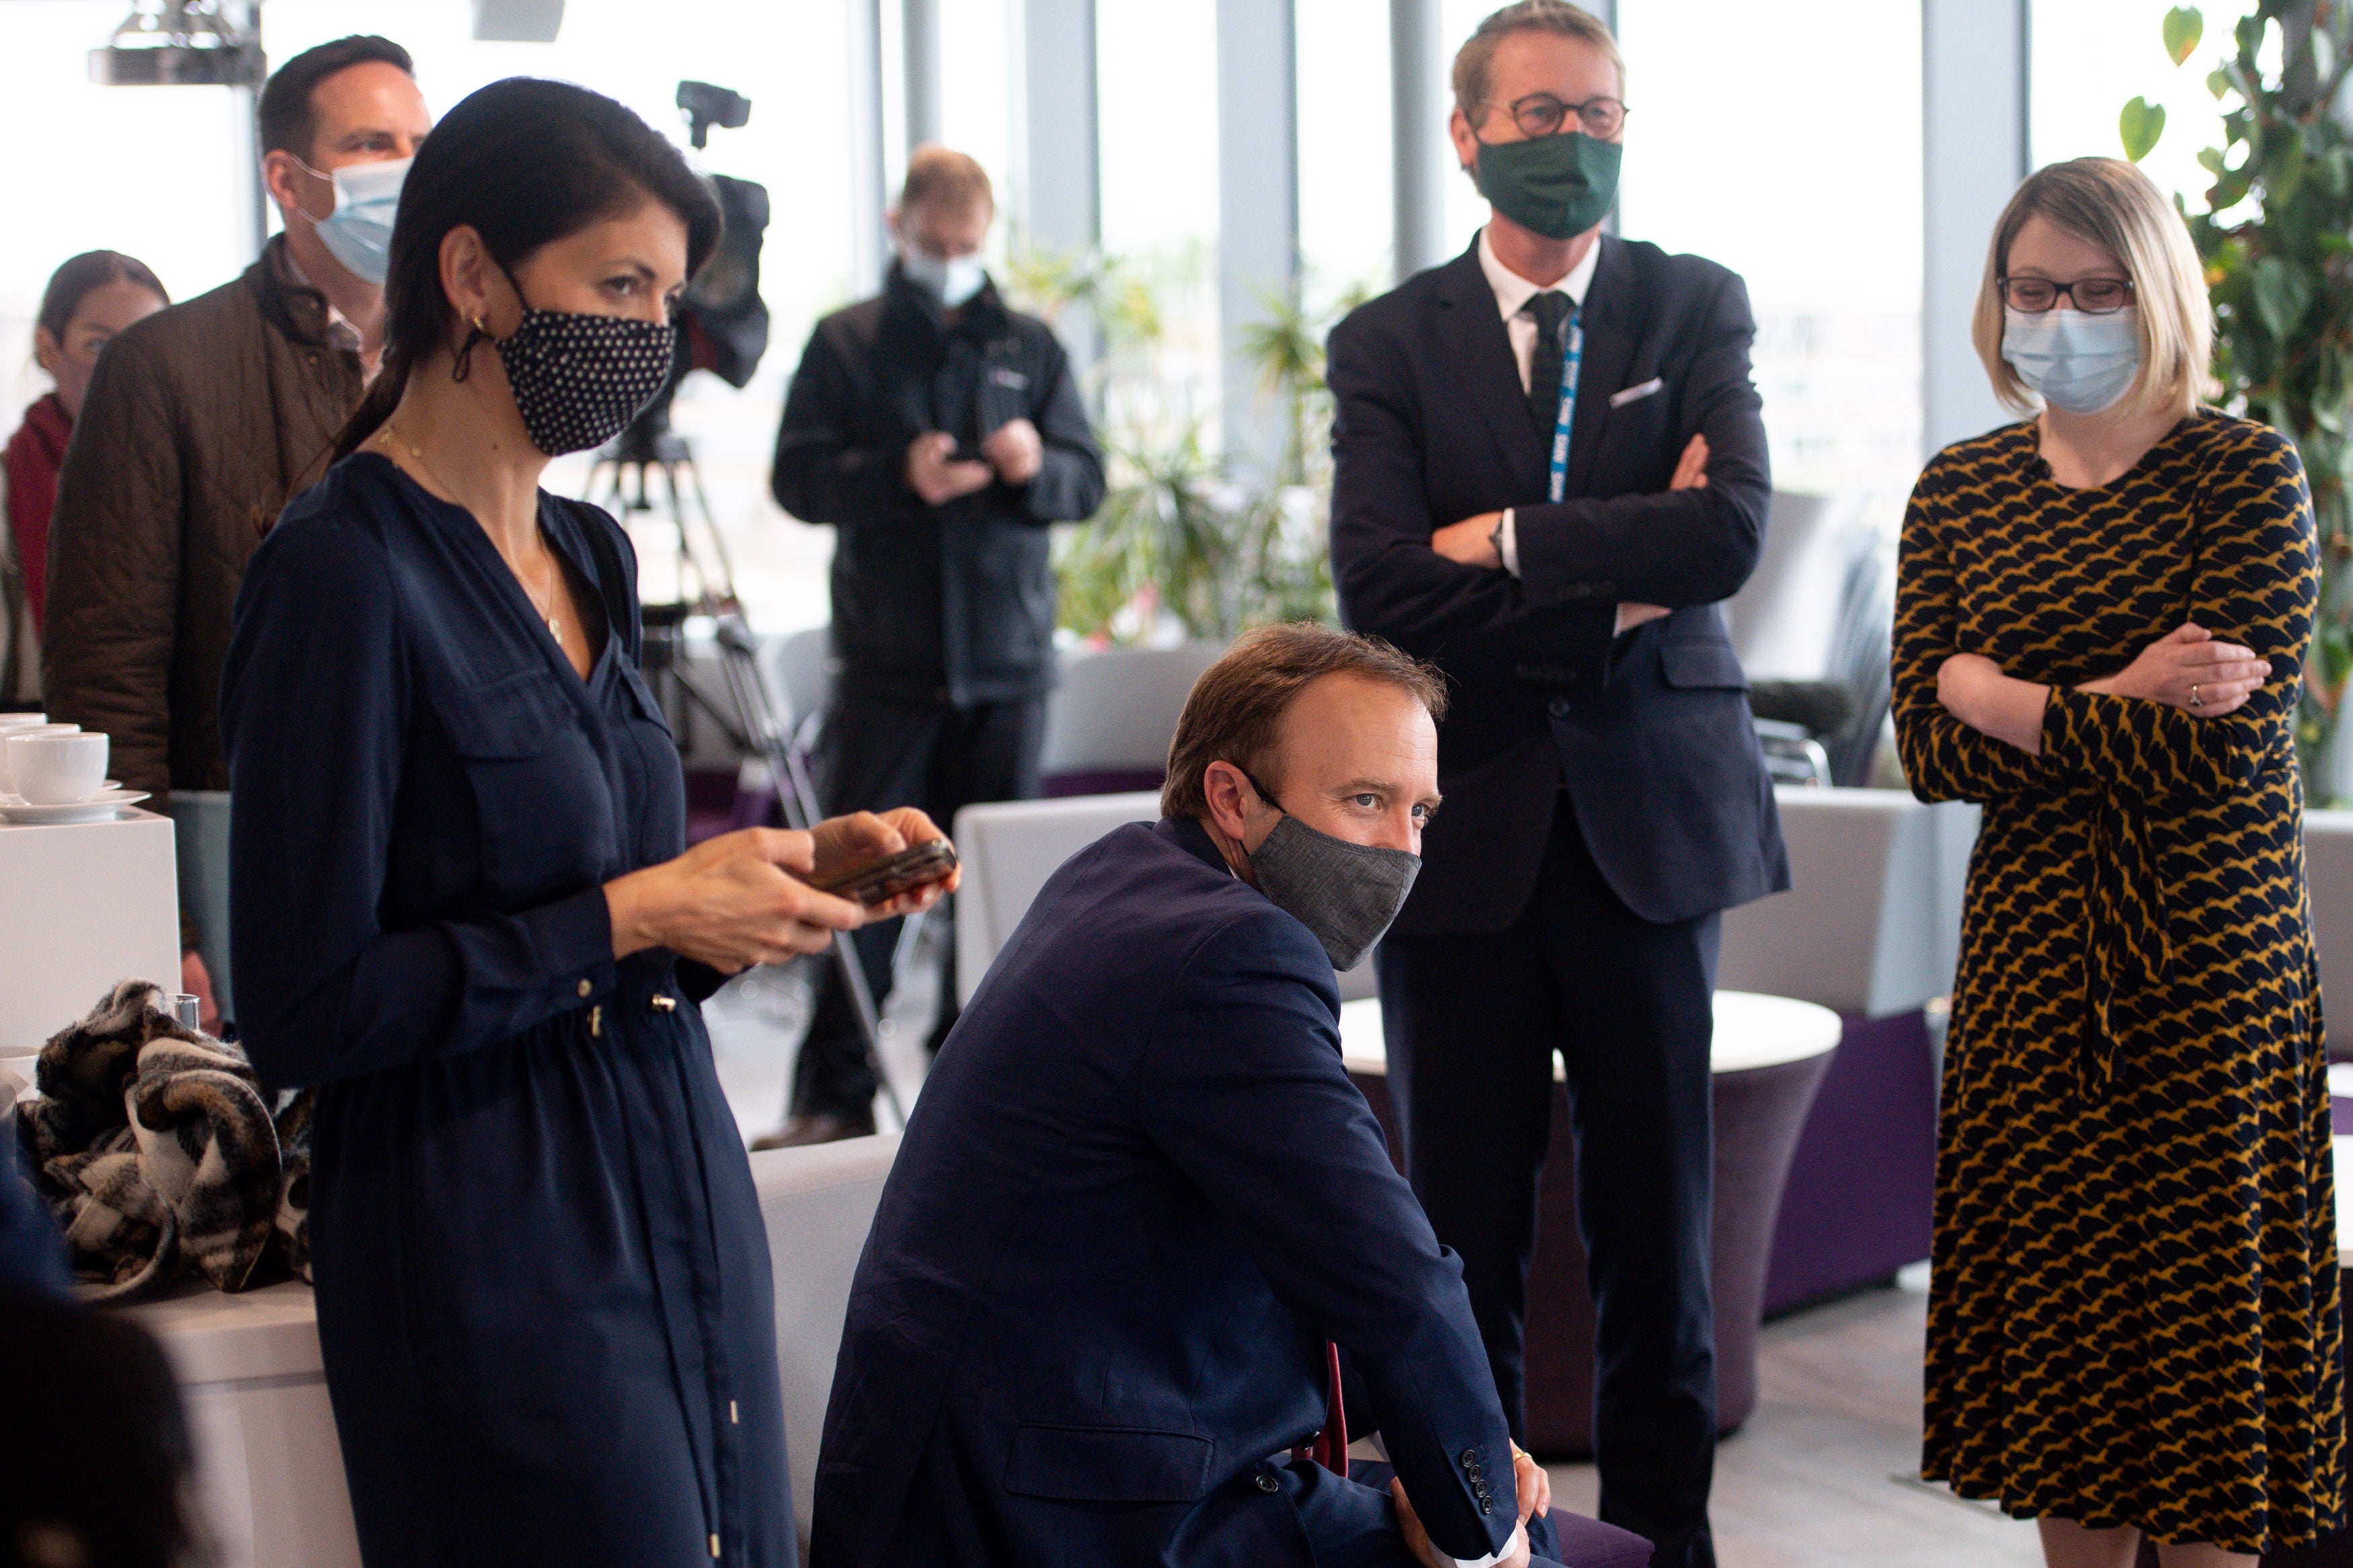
<point>2092,296</point>
<point>1542,114</point>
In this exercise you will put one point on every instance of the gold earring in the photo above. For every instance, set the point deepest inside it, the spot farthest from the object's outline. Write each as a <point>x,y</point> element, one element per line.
<point>479,328</point>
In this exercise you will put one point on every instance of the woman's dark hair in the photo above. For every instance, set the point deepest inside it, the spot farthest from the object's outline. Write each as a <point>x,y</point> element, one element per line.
<point>525,163</point>
<point>72,283</point>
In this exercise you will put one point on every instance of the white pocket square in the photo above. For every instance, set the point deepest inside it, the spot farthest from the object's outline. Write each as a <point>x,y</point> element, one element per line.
<point>1636,394</point>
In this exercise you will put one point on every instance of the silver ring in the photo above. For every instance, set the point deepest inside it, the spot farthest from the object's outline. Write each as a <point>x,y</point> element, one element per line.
<point>2196,701</point>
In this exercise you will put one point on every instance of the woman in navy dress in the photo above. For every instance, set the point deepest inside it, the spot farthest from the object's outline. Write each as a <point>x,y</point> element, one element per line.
<point>462,911</point>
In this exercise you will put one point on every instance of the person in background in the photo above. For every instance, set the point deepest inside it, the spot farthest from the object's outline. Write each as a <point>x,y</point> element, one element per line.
<point>2102,618</point>
<point>939,432</point>
<point>204,420</point>
<point>464,911</point>
<point>90,299</point>
<point>1549,468</point>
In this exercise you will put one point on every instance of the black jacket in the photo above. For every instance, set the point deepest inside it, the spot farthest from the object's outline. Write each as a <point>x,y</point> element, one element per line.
<point>1649,733</point>
<point>1138,1194</point>
<point>953,603</point>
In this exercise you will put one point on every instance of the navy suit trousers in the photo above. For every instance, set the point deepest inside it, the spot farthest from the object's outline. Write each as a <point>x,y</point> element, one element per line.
<point>1472,1022</point>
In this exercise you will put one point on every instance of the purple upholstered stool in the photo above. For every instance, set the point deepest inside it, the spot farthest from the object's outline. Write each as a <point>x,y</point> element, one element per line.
<point>1770,1054</point>
<point>1570,1540</point>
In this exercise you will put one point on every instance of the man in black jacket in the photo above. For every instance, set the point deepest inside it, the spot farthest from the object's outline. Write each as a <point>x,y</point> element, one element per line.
<point>1549,467</point>
<point>939,433</point>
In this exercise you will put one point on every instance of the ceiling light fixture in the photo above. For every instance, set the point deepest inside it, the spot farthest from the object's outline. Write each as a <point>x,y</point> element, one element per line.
<point>178,43</point>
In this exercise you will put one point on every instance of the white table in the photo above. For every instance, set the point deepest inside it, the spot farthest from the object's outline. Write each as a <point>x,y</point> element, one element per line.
<point>1751,1032</point>
<point>270,1472</point>
<point>81,908</point>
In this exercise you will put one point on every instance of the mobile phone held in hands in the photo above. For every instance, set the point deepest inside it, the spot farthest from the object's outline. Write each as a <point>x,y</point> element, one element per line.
<point>879,881</point>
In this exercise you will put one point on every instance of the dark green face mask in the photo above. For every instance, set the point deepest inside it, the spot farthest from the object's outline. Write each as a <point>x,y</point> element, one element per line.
<point>1558,186</point>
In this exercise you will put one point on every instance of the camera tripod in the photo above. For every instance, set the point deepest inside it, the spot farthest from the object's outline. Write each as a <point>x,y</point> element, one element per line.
<point>745,709</point>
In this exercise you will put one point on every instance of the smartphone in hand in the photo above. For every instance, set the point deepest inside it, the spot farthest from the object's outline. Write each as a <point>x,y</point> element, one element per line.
<point>878,881</point>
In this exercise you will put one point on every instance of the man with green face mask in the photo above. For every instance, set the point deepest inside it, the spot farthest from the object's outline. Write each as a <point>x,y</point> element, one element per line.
<point>1550,467</point>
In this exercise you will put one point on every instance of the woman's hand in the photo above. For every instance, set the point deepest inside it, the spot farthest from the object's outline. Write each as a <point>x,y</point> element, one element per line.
<point>845,841</point>
<point>2186,668</point>
<point>1973,689</point>
<point>728,903</point>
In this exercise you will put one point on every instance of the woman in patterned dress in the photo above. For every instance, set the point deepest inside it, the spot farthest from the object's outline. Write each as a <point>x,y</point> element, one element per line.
<point>2102,617</point>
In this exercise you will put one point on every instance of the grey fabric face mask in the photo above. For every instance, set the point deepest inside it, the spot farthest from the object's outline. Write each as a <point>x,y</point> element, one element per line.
<point>1347,894</point>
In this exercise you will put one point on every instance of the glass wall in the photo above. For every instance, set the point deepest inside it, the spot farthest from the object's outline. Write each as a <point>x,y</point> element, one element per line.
<point>2090,58</point>
<point>1347,190</point>
<point>1157,112</point>
<point>1793,155</point>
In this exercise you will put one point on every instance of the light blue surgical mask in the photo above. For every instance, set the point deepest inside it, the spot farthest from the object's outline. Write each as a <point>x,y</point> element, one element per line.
<point>953,278</point>
<point>358,233</point>
<point>2077,362</point>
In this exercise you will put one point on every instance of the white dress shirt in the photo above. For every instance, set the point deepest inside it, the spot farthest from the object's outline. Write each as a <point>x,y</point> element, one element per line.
<point>1512,294</point>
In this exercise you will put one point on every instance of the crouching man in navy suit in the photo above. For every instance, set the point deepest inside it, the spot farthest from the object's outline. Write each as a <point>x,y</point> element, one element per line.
<point>1139,1196</point>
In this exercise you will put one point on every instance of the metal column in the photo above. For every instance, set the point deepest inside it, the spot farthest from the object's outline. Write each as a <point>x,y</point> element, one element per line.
<point>920,35</point>
<point>1258,208</point>
<point>1423,159</point>
<point>1974,136</point>
<point>866,199</point>
<point>1054,198</point>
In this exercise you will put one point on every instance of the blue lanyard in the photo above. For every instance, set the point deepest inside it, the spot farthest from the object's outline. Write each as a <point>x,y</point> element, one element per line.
<point>1571,356</point>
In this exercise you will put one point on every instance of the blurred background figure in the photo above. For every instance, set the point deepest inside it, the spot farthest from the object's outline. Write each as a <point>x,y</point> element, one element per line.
<point>88,300</point>
<point>939,431</point>
<point>204,422</point>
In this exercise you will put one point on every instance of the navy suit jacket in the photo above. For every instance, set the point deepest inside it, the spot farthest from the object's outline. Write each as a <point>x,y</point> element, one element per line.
<point>1650,732</point>
<point>1138,1194</point>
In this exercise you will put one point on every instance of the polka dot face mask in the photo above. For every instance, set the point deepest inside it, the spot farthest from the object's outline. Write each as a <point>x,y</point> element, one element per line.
<point>579,379</point>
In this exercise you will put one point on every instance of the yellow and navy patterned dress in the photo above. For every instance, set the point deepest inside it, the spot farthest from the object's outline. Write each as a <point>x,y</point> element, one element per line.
<point>2134,1318</point>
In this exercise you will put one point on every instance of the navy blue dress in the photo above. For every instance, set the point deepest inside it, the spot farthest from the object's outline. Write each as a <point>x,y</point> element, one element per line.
<point>543,1287</point>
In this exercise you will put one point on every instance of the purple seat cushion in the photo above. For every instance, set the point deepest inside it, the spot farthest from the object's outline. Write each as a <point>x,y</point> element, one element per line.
<point>1582,1542</point>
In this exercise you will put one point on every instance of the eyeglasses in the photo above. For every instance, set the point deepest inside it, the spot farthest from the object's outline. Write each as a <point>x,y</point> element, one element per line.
<point>1542,114</point>
<point>2092,296</point>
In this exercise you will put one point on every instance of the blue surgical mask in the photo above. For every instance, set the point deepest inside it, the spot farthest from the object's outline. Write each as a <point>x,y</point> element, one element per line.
<point>358,233</point>
<point>2080,363</point>
<point>953,278</point>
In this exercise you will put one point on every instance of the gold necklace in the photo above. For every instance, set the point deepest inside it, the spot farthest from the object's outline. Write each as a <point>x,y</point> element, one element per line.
<point>547,612</point>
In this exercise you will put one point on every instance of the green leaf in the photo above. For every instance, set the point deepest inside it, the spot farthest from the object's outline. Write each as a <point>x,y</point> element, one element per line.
<point>2183,27</point>
<point>2140,124</point>
<point>2218,82</point>
<point>2211,160</point>
<point>2283,294</point>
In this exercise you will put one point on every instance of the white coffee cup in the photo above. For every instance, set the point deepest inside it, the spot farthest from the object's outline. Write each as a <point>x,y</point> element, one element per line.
<point>59,768</point>
<point>7,771</point>
<point>22,721</point>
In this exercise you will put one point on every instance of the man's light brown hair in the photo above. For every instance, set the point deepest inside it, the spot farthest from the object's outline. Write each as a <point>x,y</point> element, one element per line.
<point>1235,711</point>
<point>953,179</point>
<point>1474,62</point>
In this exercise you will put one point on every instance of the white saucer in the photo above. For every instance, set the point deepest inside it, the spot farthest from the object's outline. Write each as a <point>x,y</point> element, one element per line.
<point>99,808</point>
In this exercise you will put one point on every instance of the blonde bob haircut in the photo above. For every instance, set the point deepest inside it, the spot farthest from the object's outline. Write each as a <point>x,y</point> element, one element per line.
<point>2108,203</point>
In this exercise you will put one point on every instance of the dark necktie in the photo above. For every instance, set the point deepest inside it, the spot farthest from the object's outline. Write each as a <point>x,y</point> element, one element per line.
<point>1550,308</point>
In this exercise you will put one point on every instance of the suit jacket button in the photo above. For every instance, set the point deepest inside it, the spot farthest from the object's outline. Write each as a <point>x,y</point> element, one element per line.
<point>1486,1507</point>
<point>1470,1457</point>
<point>1268,1484</point>
<point>1557,707</point>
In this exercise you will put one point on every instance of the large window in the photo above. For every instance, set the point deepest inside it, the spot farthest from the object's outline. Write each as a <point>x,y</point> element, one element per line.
<point>2090,58</point>
<point>1793,155</point>
<point>1156,108</point>
<point>1348,188</point>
